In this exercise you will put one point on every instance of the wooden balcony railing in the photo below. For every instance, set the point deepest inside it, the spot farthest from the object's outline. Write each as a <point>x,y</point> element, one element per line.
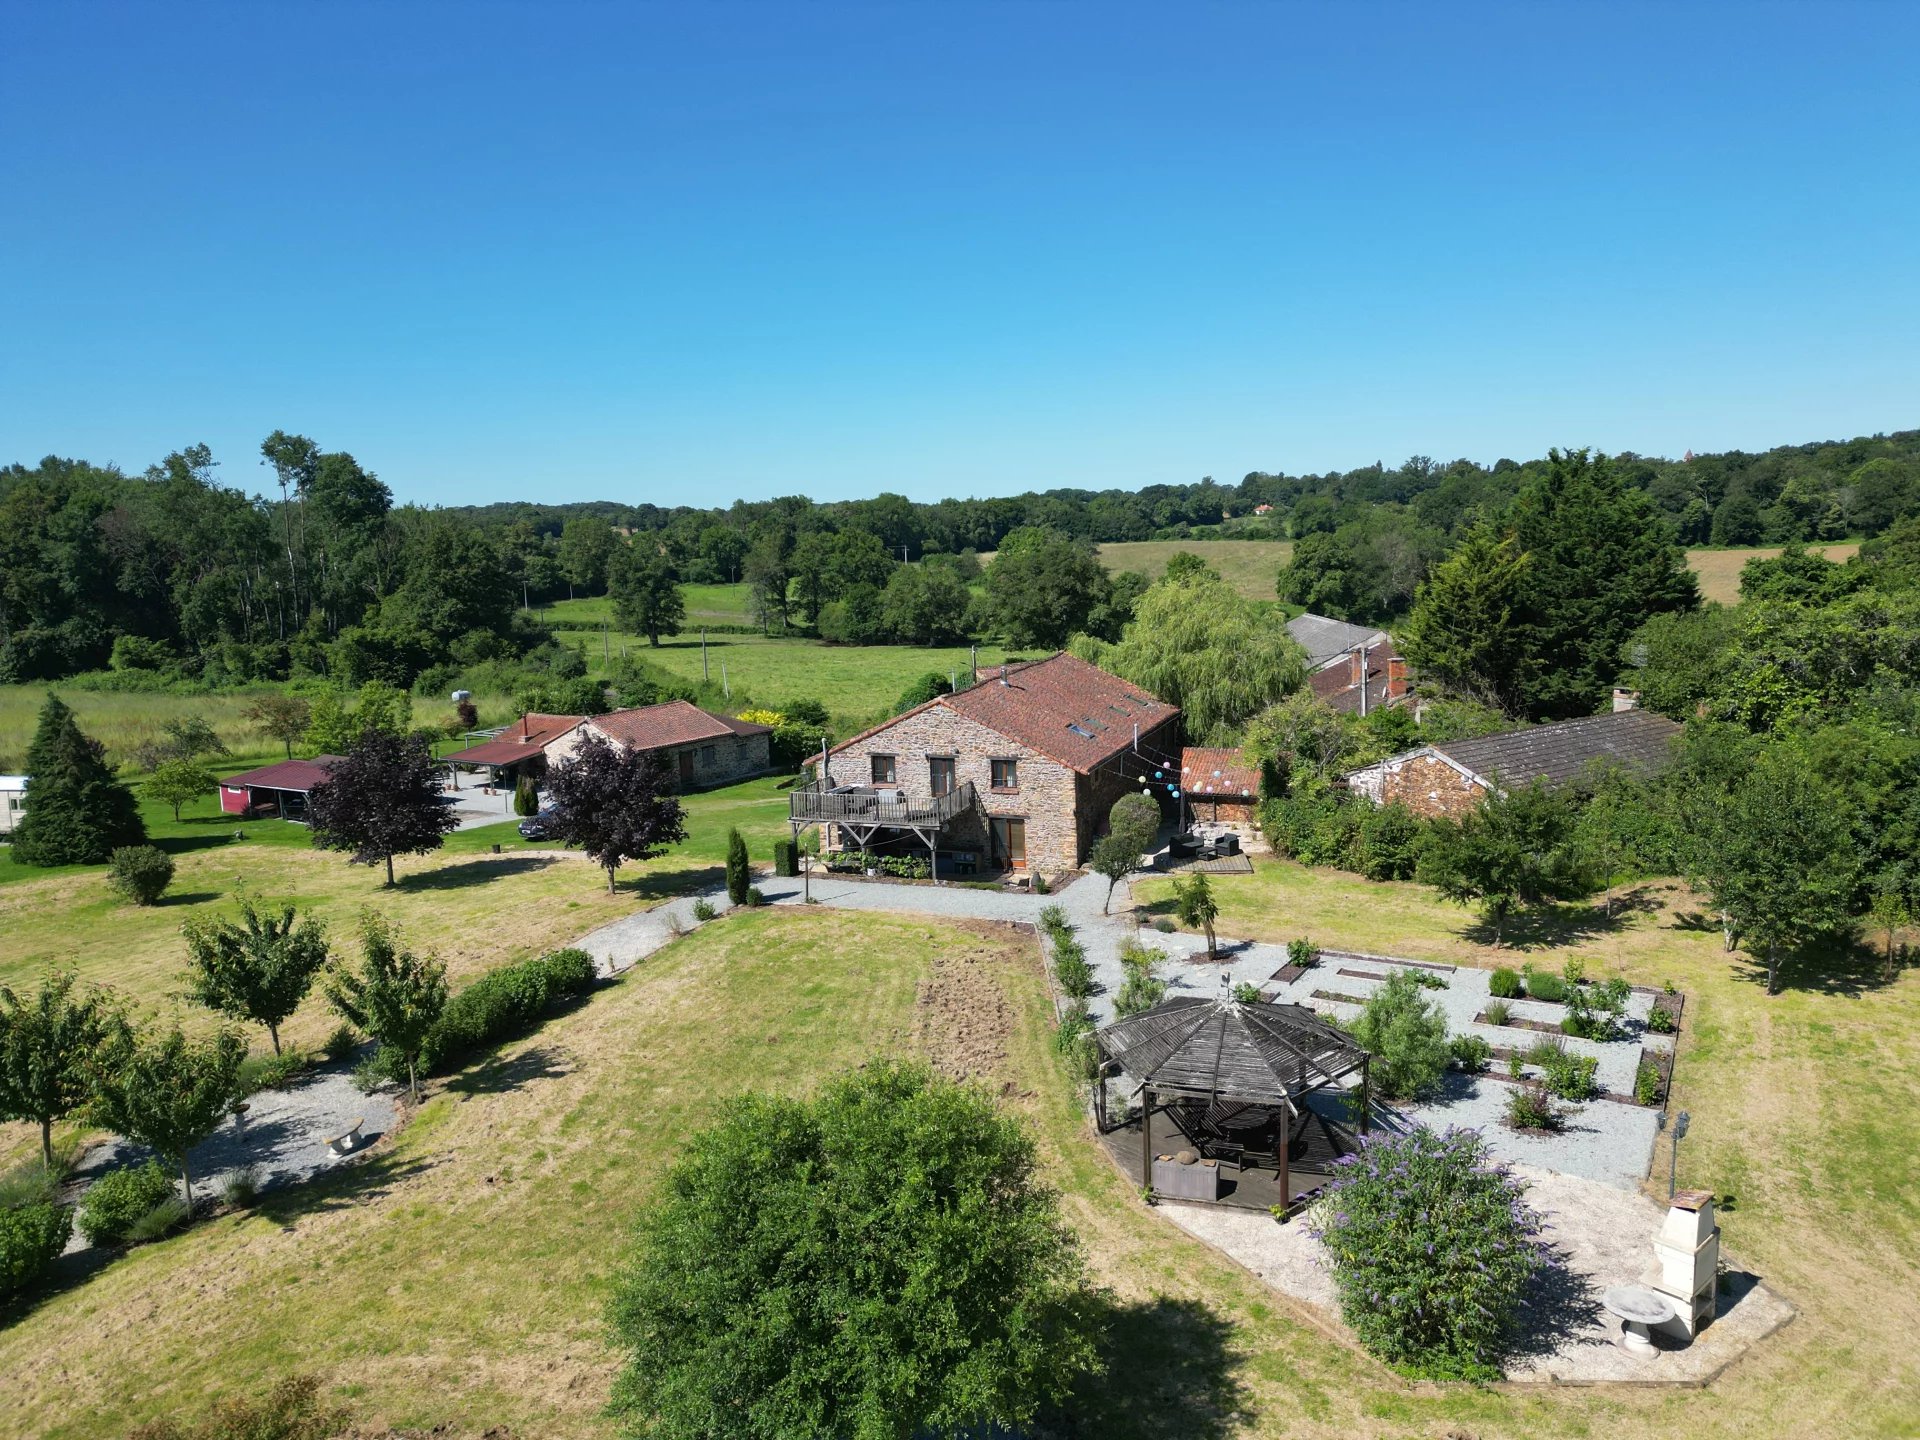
<point>874,805</point>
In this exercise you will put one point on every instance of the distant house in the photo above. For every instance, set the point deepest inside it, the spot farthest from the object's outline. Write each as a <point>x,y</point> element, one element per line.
<point>1327,640</point>
<point>1450,778</point>
<point>1364,679</point>
<point>700,748</point>
<point>1219,785</point>
<point>1263,509</point>
<point>1016,773</point>
<point>519,749</point>
<point>13,801</point>
<point>279,789</point>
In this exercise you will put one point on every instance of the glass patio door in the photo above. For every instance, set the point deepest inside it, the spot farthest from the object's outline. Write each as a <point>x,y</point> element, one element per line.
<point>1010,843</point>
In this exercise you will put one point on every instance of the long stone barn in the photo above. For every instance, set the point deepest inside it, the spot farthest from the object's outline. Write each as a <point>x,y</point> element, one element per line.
<point>1016,773</point>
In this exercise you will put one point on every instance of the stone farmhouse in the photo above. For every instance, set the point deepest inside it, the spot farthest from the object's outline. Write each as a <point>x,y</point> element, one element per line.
<point>701,749</point>
<point>1450,778</point>
<point>1016,773</point>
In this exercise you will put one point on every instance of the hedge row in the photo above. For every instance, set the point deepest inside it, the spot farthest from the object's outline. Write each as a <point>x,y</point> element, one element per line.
<point>506,1002</point>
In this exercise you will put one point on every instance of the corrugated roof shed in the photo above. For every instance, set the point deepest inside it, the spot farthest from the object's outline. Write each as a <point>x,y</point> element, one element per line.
<point>296,775</point>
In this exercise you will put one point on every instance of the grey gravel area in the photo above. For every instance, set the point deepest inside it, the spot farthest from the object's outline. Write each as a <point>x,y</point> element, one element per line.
<point>1602,1236</point>
<point>284,1135</point>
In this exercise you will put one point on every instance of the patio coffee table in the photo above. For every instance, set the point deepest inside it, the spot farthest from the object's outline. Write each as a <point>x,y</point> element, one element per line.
<point>1638,1307</point>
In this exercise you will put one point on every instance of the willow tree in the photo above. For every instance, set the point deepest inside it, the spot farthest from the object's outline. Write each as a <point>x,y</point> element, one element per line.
<point>1197,643</point>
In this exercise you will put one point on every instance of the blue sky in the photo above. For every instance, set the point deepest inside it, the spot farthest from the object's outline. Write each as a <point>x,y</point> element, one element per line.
<point>689,254</point>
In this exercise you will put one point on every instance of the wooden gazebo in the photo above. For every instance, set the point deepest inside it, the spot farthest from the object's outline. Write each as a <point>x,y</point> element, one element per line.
<point>1232,1076</point>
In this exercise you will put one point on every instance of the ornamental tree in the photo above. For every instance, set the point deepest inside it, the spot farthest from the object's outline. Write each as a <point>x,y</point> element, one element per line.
<point>382,800</point>
<point>167,1092</point>
<point>896,1269</point>
<point>77,813</point>
<point>257,968</point>
<point>615,803</point>
<point>177,782</point>
<point>1432,1248</point>
<point>281,717</point>
<point>1194,902</point>
<point>47,1043</point>
<point>395,996</point>
<point>1514,850</point>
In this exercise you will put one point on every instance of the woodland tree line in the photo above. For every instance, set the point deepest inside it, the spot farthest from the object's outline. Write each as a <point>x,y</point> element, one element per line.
<point>178,573</point>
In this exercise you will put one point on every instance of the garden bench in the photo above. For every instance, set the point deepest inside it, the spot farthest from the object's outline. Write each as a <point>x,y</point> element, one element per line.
<point>344,1142</point>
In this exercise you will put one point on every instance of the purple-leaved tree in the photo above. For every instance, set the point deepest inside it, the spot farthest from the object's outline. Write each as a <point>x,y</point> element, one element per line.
<point>614,803</point>
<point>381,801</point>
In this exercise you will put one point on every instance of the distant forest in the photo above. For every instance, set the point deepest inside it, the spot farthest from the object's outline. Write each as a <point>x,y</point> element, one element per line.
<point>174,575</point>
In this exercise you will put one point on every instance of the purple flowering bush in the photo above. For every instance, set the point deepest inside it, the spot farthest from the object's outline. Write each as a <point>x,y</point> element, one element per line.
<point>1432,1246</point>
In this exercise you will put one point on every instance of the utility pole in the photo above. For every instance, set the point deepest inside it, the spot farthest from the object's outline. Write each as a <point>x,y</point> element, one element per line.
<point>706,675</point>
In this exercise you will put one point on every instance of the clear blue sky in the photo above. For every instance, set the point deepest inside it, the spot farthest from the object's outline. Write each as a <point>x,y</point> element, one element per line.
<point>687,254</point>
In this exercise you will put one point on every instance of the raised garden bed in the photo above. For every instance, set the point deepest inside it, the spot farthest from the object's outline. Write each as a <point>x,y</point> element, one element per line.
<point>1386,960</point>
<point>1362,975</point>
<point>1287,974</point>
<point>1546,1027</point>
<point>1336,995</point>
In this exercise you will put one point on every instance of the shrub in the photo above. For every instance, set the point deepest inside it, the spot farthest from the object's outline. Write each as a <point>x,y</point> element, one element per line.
<point>242,1187</point>
<point>1053,920</point>
<point>1567,1075</point>
<point>140,873</point>
<point>737,880</point>
<point>1575,970</point>
<point>31,1183</point>
<point>1516,1067</point>
<point>1646,1083</point>
<point>1529,1107</point>
<point>1542,985</point>
<point>505,1002</point>
<point>1246,994</point>
<point>1594,1012</point>
<point>118,1200</point>
<point>526,797</point>
<point>1164,925</point>
<point>786,856</point>
<point>31,1238</point>
<point>1303,952</point>
<point>1071,969</point>
<point>1040,885</point>
<point>1470,1053</point>
<point>1432,1247</point>
<point>1505,984</point>
<point>703,910</point>
<point>1389,842</point>
<point>273,1072</point>
<point>291,1411</point>
<point>1074,1040</point>
<point>1662,1021</point>
<point>1142,989</point>
<point>754,898</point>
<point>1427,980</point>
<point>1407,1037</point>
<point>907,867</point>
<point>1498,1012</point>
<point>341,1043</point>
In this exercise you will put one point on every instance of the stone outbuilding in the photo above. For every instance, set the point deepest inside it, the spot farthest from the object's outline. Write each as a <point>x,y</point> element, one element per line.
<point>1449,779</point>
<point>1017,772</point>
<point>701,749</point>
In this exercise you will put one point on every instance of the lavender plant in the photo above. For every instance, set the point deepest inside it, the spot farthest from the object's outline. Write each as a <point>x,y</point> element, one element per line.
<point>1432,1247</point>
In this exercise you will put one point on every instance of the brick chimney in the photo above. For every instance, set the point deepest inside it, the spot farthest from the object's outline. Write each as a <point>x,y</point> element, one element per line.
<point>1358,671</point>
<point>1396,677</point>
<point>1625,699</point>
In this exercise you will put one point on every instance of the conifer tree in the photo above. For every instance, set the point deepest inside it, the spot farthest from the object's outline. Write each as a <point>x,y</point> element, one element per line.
<point>77,813</point>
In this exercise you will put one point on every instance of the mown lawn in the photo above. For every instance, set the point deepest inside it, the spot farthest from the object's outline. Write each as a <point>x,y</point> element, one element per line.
<point>458,1279</point>
<point>1251,567</point>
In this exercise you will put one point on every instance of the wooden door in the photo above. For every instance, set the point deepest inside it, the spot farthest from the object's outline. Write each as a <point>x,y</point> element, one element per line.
<point>1010,842</point>
<point>686,767</point>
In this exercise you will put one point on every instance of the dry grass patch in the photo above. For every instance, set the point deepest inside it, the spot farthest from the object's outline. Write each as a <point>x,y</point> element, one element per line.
<point>1719,570</point>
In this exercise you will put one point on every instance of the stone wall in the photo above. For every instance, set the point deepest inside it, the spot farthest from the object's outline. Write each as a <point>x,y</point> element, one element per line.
<point>1047,797</point>
<point>723,761</point>
<point>1426,785</point>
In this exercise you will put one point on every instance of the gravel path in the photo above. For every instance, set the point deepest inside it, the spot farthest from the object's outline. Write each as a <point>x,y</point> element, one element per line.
<point>284,1135</point>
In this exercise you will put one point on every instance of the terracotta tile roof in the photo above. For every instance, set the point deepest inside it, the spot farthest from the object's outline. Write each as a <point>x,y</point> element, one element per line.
<point>522,740</point>
<point>300,775</point>
<point>1208,772</point>
<point>674,722</point>
<point>1063,707</point>
<point>1638,739</point>
<point>1337,689</point>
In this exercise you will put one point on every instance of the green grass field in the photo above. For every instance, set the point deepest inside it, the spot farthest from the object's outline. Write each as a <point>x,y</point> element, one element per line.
<point>1249,566</point>
<point>456,1278</point>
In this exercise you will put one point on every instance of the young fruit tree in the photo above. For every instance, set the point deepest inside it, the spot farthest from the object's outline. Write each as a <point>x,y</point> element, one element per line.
<point>614,803</point>
<point>898,1268</point>
<point>77,813</point>
<point>1515,850</point>
<point>167,1092</point>
<point>178,782</point>
<point>382,800</point>
<point>47,1045</point>
<point>1779,861</point>
<point>279,717</point>
<point>1195,904</point>
<point>395,996</point>
<point>257,968</point>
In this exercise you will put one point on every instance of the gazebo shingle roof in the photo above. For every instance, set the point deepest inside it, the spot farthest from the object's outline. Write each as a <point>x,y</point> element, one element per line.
<point>1256,1051</point>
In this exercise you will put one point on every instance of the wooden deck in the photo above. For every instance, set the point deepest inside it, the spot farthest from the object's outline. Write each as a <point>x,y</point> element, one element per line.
<point>1223,865</point>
